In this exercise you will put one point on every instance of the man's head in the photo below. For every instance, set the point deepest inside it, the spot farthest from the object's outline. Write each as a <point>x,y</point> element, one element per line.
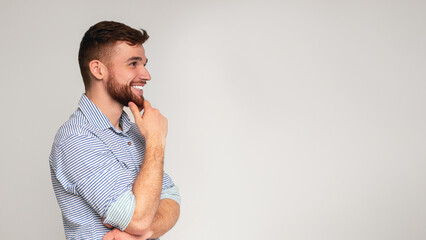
<point>118,49</point>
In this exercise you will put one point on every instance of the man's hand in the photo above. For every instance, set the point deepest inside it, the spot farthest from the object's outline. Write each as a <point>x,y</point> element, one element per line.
<point>152,124</point>
<point>147,186</point>
<point>116,234</point>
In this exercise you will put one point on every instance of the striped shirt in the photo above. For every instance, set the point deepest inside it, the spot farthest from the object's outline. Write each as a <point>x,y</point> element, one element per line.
<point>93,166</point>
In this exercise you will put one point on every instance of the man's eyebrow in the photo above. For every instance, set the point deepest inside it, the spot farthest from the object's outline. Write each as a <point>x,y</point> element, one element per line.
<point>134,59</point>
<point>137,59</point>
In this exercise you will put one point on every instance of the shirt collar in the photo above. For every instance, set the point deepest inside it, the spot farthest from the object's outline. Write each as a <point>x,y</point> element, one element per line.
<point>97,118</point>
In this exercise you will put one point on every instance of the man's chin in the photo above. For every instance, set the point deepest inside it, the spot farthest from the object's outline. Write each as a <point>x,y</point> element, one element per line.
<point>140,107</point>
<point>139,103</point>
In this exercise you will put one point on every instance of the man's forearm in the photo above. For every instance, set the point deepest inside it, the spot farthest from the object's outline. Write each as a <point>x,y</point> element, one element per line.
<point>147,188</point>
<point>165,218</point>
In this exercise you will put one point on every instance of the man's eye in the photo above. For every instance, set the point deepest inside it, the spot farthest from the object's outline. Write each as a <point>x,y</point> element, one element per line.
<point>133,64</point>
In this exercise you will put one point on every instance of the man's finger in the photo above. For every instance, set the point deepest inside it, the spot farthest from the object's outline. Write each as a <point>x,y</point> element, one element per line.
<point>109,236</point>
<point>107,225</point>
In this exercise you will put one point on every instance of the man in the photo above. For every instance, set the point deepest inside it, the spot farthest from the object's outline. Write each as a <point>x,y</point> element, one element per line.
<point>107,171</point>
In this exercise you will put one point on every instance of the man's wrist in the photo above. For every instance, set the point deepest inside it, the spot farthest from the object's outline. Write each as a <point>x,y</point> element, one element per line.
<point>155,143</point>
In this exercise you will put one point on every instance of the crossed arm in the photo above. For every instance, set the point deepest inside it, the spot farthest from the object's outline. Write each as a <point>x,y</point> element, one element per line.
<point>165,218</point>
<point>152,217</point>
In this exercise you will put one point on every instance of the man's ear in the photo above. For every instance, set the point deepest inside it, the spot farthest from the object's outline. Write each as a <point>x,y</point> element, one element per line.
<point>98,69</point>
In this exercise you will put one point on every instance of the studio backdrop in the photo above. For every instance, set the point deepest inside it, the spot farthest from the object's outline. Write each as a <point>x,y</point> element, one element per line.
<point>290,120</point>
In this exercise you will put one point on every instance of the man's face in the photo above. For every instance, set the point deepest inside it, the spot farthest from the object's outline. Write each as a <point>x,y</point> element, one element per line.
<point>127,74</point>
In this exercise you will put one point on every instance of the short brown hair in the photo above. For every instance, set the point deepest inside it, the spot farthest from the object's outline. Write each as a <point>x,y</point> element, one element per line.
<point>98,41</point>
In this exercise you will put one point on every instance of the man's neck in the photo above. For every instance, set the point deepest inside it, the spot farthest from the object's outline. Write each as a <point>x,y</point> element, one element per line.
<point>108,106</point>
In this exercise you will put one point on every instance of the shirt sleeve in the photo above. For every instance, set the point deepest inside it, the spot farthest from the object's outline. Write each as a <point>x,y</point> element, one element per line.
<point>85,167</point>
<point>120,213</point>
<point>171,193</point>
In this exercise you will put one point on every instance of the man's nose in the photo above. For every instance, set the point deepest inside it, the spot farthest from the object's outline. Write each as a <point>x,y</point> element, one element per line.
<point>144,74</point>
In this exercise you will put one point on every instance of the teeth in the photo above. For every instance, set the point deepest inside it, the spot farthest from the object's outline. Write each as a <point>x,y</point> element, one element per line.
<point>138,87</point>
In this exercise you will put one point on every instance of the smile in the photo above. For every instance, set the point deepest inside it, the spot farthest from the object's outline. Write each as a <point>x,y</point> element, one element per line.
<point>138,87</point>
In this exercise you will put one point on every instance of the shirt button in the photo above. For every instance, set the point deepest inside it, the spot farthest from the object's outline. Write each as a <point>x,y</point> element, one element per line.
<point>129,143</point>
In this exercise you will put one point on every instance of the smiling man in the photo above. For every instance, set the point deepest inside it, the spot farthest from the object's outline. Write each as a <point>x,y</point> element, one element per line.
<point>106,171</point>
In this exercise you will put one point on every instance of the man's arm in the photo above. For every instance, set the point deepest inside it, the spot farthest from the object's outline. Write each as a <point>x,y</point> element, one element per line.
<point>165,218</point>
<point>147,186</point>
<point>147,189</point>
<point>145,219</point>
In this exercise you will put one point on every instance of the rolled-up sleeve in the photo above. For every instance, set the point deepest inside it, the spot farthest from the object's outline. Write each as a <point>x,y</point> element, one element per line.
<point>85,167</point>
<point>120,213</point>
<point>171,193</point>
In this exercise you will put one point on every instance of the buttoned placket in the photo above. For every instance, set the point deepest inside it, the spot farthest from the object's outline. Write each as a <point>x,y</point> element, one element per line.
<point>132,164</point>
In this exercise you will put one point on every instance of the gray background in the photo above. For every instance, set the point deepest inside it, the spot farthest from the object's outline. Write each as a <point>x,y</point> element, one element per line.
<point>287,119</point>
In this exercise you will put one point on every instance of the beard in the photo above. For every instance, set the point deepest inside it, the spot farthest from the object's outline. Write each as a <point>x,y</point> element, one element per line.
<point>123,94</point>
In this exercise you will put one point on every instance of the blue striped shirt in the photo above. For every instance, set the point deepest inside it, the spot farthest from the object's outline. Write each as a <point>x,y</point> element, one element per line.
<point>93,166</point>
